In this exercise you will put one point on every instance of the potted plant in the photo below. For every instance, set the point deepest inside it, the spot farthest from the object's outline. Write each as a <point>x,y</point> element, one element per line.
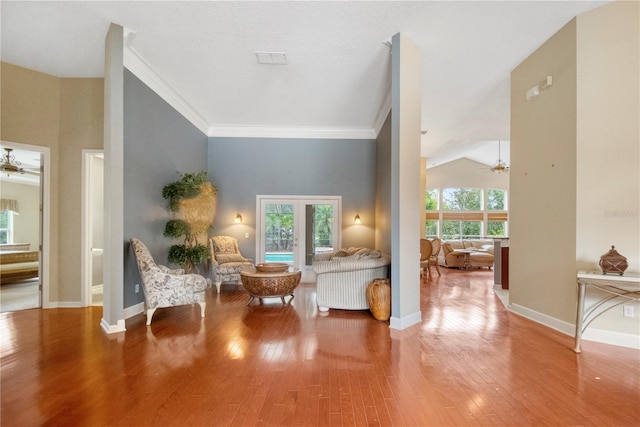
<point>192,203</point>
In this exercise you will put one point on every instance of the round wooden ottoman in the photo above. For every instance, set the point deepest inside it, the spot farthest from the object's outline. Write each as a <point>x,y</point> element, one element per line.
<point>270,284</point>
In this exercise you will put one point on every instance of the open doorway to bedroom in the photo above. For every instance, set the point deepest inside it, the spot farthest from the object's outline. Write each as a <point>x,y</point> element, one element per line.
<point>23,226</point>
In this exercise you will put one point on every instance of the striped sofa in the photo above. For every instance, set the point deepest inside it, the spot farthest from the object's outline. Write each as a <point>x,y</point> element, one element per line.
<point>341,281</point>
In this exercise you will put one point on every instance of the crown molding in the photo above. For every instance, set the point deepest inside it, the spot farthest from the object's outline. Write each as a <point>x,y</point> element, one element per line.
<point>383,112</point>
<point>229,131</point>
<point>142,70</point>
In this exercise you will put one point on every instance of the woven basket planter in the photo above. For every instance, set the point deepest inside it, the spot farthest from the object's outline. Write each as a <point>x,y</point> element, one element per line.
<point>379,298</point>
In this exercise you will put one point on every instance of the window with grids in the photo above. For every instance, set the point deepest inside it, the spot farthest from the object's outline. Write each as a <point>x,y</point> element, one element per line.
<point>466,213</point>
<point>6,227</point>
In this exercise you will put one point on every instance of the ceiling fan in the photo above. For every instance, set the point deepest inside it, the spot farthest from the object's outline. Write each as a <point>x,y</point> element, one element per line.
<point>500,165</point>
<point>9,164</point>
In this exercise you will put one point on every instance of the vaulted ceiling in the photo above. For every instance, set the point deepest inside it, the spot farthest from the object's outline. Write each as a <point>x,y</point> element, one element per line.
<point>336,81</point>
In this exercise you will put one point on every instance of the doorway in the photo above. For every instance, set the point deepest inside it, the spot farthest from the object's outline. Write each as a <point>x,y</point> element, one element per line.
<point>24,183</point>
<point>292,229</point>
<point>92,227</point>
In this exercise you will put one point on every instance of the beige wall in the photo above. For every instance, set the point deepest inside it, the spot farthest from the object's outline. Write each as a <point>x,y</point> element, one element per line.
<point>570,146</point>
<point>543,180</point>
<point>26,225</point>
<point>66,116</point>
<point>608,123</point>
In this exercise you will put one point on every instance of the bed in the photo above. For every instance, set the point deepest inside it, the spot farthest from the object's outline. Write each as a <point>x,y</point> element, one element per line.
<point>18,263</point>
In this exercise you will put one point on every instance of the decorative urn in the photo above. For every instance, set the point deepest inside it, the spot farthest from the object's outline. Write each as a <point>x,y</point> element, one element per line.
<point>612,262</point>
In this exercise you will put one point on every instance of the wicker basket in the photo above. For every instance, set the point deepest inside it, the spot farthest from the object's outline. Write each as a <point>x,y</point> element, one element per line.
<point>272,267</point>
<point>263,285</point>
<point>379,298</point>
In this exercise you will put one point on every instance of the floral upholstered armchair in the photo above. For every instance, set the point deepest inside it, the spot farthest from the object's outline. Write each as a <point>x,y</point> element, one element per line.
<point>164,287</point>
<point>226,260</point>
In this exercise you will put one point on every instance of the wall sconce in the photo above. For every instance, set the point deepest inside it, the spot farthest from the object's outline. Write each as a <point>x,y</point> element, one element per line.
<point>238,219</point>
<point>356,219</point>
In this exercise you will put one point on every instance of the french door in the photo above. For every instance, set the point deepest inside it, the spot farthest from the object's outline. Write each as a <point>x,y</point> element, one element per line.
<point>292,229</point>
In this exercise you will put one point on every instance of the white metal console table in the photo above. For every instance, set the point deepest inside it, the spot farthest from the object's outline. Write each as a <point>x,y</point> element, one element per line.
<point>616,291</point>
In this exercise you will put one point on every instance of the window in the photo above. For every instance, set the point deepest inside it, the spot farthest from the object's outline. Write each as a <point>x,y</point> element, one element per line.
<point>496,228</point>
<point>496,200</point>
<point>461,199</point>
<point>431,229</point>
<point>466,213</point>
<point>431,203</point>
<point>454,230</point>
<point>6,227</point>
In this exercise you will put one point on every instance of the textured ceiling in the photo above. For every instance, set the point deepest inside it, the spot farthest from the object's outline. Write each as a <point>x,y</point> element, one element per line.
<point>338,74</point>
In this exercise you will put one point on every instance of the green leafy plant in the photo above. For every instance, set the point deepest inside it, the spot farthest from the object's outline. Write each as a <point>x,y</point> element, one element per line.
<point>188,186</point>
<point>191,200</point>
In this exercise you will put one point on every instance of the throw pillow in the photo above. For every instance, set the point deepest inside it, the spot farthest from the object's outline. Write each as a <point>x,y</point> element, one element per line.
<point>224,258</point>
<point>341,253</point>
<point>372,254</point>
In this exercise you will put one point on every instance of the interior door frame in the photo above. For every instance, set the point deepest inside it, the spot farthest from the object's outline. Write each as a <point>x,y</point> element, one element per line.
<point>45,216</point>
<point>299,221</point>
<point>85,265</point>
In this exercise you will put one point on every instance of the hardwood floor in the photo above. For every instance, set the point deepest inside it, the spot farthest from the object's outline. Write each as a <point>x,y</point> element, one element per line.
<point>470,362</point>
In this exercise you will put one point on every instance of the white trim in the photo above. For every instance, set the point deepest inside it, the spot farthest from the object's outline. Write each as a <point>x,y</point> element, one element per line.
<point>112,329</point>
<point>544,319</point>
<point>135,63</point>
<point>230,131</point>
<point>65,304</point>
<point>134,310</point>
<point>85,259</point>
<point>590,334</point>
<point>405,322</point>
<point>611,337</point>
<point>142,70</point>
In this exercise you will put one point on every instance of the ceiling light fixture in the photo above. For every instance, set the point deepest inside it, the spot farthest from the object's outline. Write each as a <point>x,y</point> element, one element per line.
<point>9,164</point>
<point>500,166</point>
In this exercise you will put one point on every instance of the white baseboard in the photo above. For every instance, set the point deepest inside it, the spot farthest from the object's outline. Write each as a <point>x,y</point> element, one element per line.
<point>544,319</point>
<point>405,322</point>
<point>111,329</point>
<point>590,334</point>
<point>134,310</point>
<point>64,304</point>
<point>612,337</point>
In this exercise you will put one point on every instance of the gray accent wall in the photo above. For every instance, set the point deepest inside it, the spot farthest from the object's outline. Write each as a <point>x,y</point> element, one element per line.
<point>383,184</point>
<point>158,143</point>
<point>242,168</point>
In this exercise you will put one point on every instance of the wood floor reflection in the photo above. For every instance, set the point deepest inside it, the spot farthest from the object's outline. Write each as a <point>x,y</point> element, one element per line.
<point>470,362</point>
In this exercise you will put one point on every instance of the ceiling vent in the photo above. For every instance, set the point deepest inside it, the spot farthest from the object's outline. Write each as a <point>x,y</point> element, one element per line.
<point>273,58</point>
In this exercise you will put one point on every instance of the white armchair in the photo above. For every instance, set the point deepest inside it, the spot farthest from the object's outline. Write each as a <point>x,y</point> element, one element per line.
<point>226,260</point>
<point>164,287</point>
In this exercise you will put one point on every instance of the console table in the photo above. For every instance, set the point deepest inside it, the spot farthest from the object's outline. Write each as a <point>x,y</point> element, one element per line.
<point>616,291</point>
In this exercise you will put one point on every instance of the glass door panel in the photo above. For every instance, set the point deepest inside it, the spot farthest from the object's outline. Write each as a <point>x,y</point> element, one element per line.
<point>319,229</point>
<point>279,232</point>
